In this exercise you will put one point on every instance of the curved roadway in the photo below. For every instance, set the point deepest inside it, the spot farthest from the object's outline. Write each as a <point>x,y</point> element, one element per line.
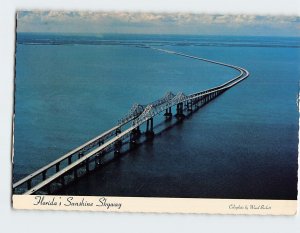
<point>243,75</point>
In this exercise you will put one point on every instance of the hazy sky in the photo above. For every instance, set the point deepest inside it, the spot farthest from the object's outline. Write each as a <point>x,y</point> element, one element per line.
<point>157,23</point>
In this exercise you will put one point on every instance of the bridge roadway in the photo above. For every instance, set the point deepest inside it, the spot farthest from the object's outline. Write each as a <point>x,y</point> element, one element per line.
<point>138,115</point>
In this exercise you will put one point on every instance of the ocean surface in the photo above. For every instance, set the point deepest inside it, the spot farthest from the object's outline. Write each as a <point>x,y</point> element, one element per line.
<point>244,144</point>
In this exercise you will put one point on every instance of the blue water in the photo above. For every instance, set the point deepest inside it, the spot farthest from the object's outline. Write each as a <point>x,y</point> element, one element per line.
<point>70,88</point>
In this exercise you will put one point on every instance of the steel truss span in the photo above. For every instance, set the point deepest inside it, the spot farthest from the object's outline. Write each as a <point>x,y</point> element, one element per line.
<point>88,156</point>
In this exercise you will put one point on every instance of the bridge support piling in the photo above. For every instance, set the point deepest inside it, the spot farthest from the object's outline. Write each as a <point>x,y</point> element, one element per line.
<point>57,167</point>
<point>118,131</point>
<point>87,165</point>
<point>118,145</point>
<point>206,99</point>
<point>179,111</point>
<point>29,184</point>
<point>70,159</point>
<point>100,143</point>
<point>196,103</point>
<point>190,105</point>
<point>80,155</point>
<point>149,125</point>
<point>97,160</point>
<point>200,101</point>
<point>133,141</point>
<point>138,131</point>
<point>101,159</point>
<point>149,130</point>
<point>168,113</point>
<point>44,175</point>
<point>134,135</point>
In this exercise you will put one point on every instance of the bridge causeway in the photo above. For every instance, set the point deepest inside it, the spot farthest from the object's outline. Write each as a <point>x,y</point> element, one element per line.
<point>89,156</point>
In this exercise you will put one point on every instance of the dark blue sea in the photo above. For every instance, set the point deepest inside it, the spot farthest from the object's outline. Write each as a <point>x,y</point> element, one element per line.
<point>244,144</point>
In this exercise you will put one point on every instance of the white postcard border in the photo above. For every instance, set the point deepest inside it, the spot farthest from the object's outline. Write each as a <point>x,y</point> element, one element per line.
<point>155,205</point>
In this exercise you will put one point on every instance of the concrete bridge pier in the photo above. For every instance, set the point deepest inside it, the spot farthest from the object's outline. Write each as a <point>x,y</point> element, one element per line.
<point>189,105</point>
<point>44,175</point>
<point>138,131</point>
<point>117,146</point>
<point>206,99</point>
<point>100,142</point>
<point>202,101</point>
<point>149,129</point>
<point>168,113</point>
<point>87,165</point>
<point>134,136</point>
<point>118,131</point>
<point>196,103</point>
<point>69,159</point>
<point>133,140</point>
<point>118,143</point>
<point>29,184</point>
<point>98,158</point>
<point>179,111</point>
<point>212,95</point>
<point>80,154</point>
<point>209,97</point>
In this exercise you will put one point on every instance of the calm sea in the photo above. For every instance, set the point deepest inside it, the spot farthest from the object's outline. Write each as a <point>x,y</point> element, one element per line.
<point>70,88</point>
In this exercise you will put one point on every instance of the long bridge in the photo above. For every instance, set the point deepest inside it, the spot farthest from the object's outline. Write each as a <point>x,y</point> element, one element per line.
<point>88,156</point>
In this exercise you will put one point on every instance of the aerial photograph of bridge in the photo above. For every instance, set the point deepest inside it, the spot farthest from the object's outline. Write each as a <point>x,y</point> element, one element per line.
<point>141,104</point>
